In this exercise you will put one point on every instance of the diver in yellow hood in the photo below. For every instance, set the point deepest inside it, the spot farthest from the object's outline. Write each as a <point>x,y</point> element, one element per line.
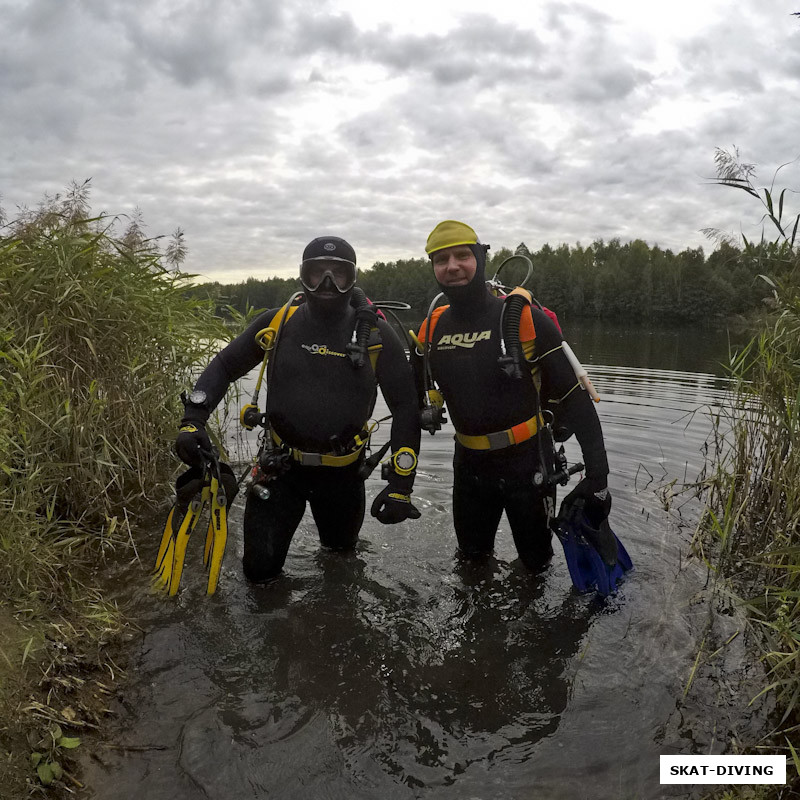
<point>498,412</point>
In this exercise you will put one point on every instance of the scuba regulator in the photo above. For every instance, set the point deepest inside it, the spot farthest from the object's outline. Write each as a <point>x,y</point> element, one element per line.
<point>431,417</point>
<point>554,468</point>
<point>365,321</point>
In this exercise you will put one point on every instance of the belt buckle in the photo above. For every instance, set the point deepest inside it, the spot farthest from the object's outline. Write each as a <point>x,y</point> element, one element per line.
<point>498,440</point>
<point>311,460</point>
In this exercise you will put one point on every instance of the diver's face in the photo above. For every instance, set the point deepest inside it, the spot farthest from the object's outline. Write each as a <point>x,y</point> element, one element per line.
<point>454,266</point>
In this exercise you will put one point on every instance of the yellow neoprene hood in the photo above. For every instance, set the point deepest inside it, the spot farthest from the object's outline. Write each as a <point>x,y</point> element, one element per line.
<point>450,233</point>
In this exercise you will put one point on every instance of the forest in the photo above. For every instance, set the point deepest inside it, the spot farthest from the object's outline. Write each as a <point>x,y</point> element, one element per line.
<point>630,280</point>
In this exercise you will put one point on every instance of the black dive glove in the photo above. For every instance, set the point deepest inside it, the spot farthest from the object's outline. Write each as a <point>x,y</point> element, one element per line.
<point>192,439</point>
<point>393,504</point>
<point>596,499</point>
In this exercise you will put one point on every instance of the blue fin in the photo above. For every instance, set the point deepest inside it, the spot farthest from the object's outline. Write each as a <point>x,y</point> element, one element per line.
<point>589,569</point>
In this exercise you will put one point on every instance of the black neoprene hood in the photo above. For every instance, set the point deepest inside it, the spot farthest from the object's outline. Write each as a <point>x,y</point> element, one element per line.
<point>329,247</point>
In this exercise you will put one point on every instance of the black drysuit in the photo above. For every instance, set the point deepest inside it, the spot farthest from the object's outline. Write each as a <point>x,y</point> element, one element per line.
<point>317,401</point>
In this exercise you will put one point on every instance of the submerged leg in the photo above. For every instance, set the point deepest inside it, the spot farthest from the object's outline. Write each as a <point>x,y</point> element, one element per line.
<point>269,526</point>
<point>337,499</point>
<point>477,508</point>
<point>526,509</point>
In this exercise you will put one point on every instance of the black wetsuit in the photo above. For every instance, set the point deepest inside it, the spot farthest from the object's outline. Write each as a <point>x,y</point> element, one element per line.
<point>481,398</point>
<point>317,402</point>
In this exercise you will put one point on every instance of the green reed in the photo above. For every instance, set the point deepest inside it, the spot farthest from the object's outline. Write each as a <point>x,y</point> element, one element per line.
<point>752,514</point>
<point>97,339</point>
<point>753,503</point>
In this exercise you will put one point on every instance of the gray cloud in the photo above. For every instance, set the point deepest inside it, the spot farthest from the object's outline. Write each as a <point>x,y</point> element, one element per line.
<point>255,125</point>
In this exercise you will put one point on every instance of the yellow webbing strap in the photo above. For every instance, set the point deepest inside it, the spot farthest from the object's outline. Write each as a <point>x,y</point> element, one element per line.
<point>266,336</point>
<point>323,459</point>
<point>265,339</point>
<point>495,441</point>
<point>374,347</point>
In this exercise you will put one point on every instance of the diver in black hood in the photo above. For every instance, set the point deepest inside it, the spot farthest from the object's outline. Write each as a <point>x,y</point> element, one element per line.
<point>318,404</point>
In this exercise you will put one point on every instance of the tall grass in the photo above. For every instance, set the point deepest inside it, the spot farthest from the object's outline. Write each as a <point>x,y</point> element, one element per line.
<point>97,339</point>
<point>752,517</point>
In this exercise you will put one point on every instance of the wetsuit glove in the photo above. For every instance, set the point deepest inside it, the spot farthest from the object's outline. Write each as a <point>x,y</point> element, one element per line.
<point>392,506</point>
<point>192,439</point>
<point>597,499</point>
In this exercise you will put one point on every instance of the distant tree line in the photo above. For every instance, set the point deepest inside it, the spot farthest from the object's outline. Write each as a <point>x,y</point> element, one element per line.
<point>630,281</point>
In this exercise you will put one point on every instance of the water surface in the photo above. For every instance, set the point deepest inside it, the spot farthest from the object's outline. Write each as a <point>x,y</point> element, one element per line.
<point>398,672</point>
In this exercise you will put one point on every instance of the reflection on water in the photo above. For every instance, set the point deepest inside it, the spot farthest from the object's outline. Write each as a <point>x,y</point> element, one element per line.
<point>399,672</point>
<point>672,349</point>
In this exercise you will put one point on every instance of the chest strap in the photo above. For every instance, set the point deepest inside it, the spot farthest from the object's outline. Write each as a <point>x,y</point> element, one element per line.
<point>500,439</point>
<point>324,459</point>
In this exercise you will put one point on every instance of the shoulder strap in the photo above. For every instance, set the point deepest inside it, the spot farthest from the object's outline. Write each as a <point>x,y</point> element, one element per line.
<point>527,330</point>
<point>374,347</point>
<point>285,311</point>
<point>266,336</point>
<point>424,335</point>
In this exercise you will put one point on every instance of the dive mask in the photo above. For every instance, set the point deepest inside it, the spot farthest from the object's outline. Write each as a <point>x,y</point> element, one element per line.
<point>342,273</point>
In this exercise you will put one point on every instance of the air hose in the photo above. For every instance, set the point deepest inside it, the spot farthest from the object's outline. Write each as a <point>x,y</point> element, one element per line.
<point>365,321</point>
<point>432,413</point>
<point>512,358</point>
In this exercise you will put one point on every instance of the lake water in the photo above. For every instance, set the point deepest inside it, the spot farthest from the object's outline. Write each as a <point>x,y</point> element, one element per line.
<point>397,672</point>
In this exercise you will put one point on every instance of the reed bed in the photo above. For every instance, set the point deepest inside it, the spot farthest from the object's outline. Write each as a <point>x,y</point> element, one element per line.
<point>97,339</point>
<point>750,531</point>
<point>749,534</point>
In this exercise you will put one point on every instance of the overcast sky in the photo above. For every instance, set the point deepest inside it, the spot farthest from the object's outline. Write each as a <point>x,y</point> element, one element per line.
<point>255,125</point>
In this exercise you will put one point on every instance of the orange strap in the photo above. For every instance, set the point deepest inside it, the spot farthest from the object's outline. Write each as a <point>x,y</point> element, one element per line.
<point>500,439</point>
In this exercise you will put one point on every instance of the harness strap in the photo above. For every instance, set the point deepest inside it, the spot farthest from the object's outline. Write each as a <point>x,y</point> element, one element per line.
<point>374,347</point>
<point>324,459</point>
<point>500,439</point>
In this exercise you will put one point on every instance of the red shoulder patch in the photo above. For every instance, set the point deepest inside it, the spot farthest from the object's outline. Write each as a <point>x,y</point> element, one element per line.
<point>552,315</point>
